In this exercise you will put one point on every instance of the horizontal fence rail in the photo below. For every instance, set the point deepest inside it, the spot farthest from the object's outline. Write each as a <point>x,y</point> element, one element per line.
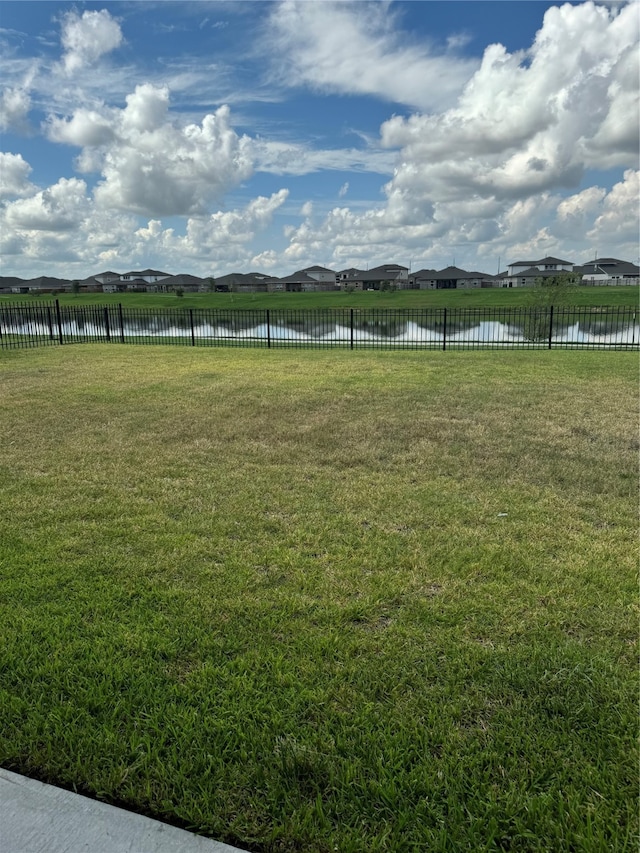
<point>27,325</point>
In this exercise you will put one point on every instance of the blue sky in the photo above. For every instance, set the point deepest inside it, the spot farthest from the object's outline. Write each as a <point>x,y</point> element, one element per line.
<point>211,137</point>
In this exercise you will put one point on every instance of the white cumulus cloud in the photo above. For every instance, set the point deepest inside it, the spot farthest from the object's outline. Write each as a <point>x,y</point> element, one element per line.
<point>356,48</point>
<point>14,108</point>
<point>58,208</point>
<point>149,163</point>
<point>87,37</point>
<point>619,220</point>
<point>14,176</point>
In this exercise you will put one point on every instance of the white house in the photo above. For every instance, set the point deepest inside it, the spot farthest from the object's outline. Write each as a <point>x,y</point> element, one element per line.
<point>544,265</point>
<point>150,276</point>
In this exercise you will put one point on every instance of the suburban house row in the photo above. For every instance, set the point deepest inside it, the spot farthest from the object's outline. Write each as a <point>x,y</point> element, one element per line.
<point>601,271</point>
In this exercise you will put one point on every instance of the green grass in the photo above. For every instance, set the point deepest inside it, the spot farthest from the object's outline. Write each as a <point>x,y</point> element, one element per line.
<point>319,601</point>
<point>490,297</point>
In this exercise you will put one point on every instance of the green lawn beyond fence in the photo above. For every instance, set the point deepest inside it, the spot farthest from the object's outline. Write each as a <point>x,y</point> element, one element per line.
<point>400,328</point>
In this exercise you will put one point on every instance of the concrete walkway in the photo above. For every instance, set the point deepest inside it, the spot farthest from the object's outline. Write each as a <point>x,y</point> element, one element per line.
<point>38,818</point>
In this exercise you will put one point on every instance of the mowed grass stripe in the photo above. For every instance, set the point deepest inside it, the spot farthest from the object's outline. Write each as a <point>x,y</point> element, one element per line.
<point>493,297</point>
<point>312,601</point>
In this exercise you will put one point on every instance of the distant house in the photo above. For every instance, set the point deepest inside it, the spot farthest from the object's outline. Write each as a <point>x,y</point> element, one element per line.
<point>42,284</point>
<point>309,280</point>
<point>107,277</point>
<point>527,277</point>
<point>609,271</point>
<point>187,283</point>
<point>377,278</point>
<point>147,276</point>
<point>91,285</point>
<point>547,264</point>
<point>9,282</point>
<point>113,282</point>
<point>451,278</point>
<point>237,282</point>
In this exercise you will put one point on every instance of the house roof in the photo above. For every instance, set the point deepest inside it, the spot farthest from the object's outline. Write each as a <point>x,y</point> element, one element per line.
<point>533,272</point>
<point>147,272</point>
<point>550,260</point>
<point>318,269</point>
<point>610,266</point>
<point>453,272</point>
<point>605,262</point>
<point>547,260</point>
<point>428,274</point>
<point>300,276</point>
<point>388,268</point>
<point>48,281</point>
<point>11,281</point>
<point>244,278</point>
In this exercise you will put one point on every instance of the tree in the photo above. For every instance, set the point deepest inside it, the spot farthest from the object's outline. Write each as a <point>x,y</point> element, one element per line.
<point>75,287</point>
<point>179,292</point>
<point>548,291</point>
<point>211,284</point>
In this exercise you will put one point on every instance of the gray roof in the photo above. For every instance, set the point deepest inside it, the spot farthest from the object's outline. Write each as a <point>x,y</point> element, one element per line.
<point>455,272</point>
<point>534,272</point>
<point>547,260</point>
<point>388,268</point>
<point>610,266</point>
<point>147,272</point>
<point>244,278</point>
<point>428,274</point>
<point>300,276</point>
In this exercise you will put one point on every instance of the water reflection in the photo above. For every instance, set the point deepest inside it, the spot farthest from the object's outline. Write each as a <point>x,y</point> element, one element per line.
<point>459,330</point>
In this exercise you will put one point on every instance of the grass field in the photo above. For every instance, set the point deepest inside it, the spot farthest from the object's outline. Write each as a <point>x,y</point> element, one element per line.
<point>483,298</point>
<point>326,601</point>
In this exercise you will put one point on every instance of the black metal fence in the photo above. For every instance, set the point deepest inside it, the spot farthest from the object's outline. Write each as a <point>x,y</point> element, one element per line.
<point>27,325</point>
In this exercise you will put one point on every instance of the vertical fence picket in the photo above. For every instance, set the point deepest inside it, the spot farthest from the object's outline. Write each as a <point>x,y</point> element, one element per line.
<point>59,319</point>
<point>121,322</point>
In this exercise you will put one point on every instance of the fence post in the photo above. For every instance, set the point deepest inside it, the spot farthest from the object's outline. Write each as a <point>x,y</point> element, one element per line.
<point>444,330</point>
<point>268,330</point>
<point>550,325</point>
<point>193,338</point>
<point>59,319</point>
<point>106,323</point>
<point>121,322</point>
<point>351,329</point>
<point>50,322</point>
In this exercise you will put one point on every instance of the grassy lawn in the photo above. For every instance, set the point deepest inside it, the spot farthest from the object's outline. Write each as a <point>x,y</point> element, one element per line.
<point>484,298</point>
<point>326,601</point>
